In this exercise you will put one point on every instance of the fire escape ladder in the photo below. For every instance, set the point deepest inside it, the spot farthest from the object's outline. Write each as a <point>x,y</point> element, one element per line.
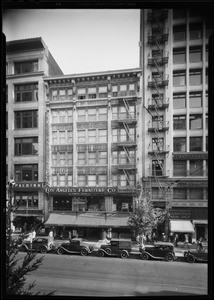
<point>126,104</point>
<point>127,131</point>
<point>127,153</point>
<point>126,175</point>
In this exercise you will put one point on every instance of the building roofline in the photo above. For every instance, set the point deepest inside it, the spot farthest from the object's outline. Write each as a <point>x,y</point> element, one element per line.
<point>25,45</point>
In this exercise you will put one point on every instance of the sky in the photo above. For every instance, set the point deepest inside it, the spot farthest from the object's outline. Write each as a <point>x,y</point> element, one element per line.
<point>81,41</point>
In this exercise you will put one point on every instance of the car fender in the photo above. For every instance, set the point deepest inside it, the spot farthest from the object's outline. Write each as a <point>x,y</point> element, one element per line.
<point>154,257</point>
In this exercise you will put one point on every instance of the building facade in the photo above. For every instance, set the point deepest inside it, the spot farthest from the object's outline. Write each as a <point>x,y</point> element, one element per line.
<point>27,61</point>
<point>174,57</point>
<point>93,152</point>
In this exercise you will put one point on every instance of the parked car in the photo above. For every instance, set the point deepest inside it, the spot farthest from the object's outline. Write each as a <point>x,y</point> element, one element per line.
<point>159,250</point>
<point>118,247</point>
<point>39,244</point>
<point>77,245</point>
<point>196,255</point>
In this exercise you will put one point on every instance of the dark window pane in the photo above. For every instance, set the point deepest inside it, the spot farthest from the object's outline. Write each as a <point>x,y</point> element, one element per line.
<point>179,144</point>
<point>179,122</point>
<point>196,144</point>
<point>179,168</point>
<point>195,122</point>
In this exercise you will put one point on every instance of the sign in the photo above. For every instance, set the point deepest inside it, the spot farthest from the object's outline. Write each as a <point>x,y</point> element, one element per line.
<point>32,186</point>
<point>82,190</point>
<point>187,156</point>
<point>88,125</point>
<point>179,214</point>
<point>61,148</point>
<point>193,184</point>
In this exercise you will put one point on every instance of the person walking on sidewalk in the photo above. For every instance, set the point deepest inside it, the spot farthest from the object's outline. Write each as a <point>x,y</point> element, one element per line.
<point>176,240</point>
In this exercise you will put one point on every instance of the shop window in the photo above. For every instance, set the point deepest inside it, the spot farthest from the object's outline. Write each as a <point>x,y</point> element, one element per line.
<point>195,77</point>
<point>81,180</point>
<point>102,113</point>
<point>81,115</point>
<point>157,167</point>
<point>55,137</point>
<point>92,114</point>
<point>179,194</point>
<point>102,180</point>
<point>179,122</point>
<point>62,159</point>
<point>195,54</point>
<point>81,136</point>
<point>102,135</point>
<point>196,144</point>
<point>179,144</point>
<point>26,92</point>
<point>92,158</point>
<point>102,158</point>
<point>26,173</point>
<point>179,33</point>
<point>195,99</point>
<point>28,200</point>
<point>92,180</point>
<point>196,168</point>
<point>26,119</point>
<point>195,31</point>
<point>157,144</point>
<point>196,193</point>
<point>179,78</point>
<point>179,55</point>
<point>62,137</point>
<point>81,158</point>
<point>62,95</point>
<point>179,168</point>
<point>26,146</point>
<point>92,136</point>
<point>26,67</point>
<point>195,122</point>
<point>179,100</point>
<point>61,180</point>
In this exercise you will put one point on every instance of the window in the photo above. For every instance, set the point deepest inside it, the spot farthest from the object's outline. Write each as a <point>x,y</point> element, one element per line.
<point>70,158</point>
<point>207,53</point>
<point>122,157</point>
<point>114,180</point>
<point>70,116</point>
<point>122,135</point>
<point>179,168</point>
<point>122,180</point>
<point>196,168</point>
<point>92,180</point>
<point>54,180</point>
<point>179,56</point>
<point>114,90</point>
<point>92,158</point>
<point>62,137</point>
<point>92,93</point>
<point>102,180</point>
<point>195,31</point>
<point>157,194</point>
<point>54,159</point>
<point>179,78</point>
<point>26,119</point>
<point>196,194</point>
<point>92,136</point>
<point>206,143</point>
<point>55,137</point>
<point>61,180</point>
<point>70,136</point>
<point>157,121</point>
<point>70,180</point>
<point>123,87</point>
<point>179,193</point>
<point>102,135</point>
<point>62,159</point>
<point>179,33</point>
<point>179,100</point>
<point>114,112</point>
<point>81,158</point>
<point>114,135</point>
<point>179,144</point>
<point>179,122</point>
<point>131,87</point>
<point>102,158</point>
<point>70,94</point>
<point>81,93</point>
<point>26,67</point>
<point>132,157</point>
<point>102,113</point>
<point>81,115</point>
<point>26,146</point>
<point>62,116</point>
<point>26,173</point>
<point>54,95</point>
<point>195,122</point>
<point>92,114</point>
<point>55,116</point>
<point>195,54</point>
<point>81,180</point>
<point>26,199</point>
<point>157,144</point>
<point>195,77</point>
<point>195,99</point>
<point>157,167</point>
<point>62,95</point>
<point>122,112</point>
<point>103,92</point>
<point>206,99</point>
<point>206,76</point>
<point>81,136</point>
<point>26,92</point>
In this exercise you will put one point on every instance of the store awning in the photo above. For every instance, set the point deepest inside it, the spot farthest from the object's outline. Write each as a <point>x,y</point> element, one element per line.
<point>88,220</point>
<point>181,226</point>
<point>200,222</point>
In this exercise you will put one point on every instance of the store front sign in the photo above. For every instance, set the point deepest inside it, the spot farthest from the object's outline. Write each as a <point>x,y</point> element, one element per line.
<point>33,186</point>
<point>187,156</point>
<point>82,190</point>
<point>179,214</point>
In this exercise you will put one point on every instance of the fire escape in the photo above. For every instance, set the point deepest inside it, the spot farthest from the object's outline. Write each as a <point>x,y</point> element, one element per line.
<point>157,83</point>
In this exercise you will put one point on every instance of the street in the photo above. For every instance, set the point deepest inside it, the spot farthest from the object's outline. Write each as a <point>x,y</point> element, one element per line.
<point>75,275</point>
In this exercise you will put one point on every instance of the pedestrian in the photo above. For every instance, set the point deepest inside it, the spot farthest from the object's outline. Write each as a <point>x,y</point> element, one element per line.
<point>176,240</point>
<point>142,241</point>
<point>200,245</point>
<point>171,237</point>
<point>186,241</point>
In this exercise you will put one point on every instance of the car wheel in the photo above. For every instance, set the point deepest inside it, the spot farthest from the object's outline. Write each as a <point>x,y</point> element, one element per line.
<point>169,257</point>
<point>43,249</point>
<point>84,252</point>
<point>144,256</point>
<point>60,251</point>
<point>124,254</point>
<point>100,253</point>
<point>190,258</point>
<point>108,250</point>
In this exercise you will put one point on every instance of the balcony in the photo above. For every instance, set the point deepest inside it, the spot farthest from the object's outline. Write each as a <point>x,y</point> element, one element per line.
<point>128,119</point>
<point>158,104</point>
<point>127,167</point>
<point>158,126</point>
<point>127,94</point>
<point>160,81</point>
<point>159,35</point>
<point>160,14</point>
<point>129,143</point>
<point>159,59</point>
<point>158,152</point>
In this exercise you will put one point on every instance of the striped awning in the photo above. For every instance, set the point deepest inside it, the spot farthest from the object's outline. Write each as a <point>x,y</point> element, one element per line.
<point>181,226</point>
<point>88,220</point>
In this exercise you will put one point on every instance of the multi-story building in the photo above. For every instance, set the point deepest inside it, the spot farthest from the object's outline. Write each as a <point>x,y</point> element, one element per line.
<point>27,61</point>
<point>93,151</point>
<point>174,61</point>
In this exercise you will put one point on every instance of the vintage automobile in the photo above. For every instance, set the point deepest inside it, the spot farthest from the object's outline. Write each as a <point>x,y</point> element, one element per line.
<point>77,245</point>
<point>118,247</point>
<point>196,255</point>
<point>39,244</point>
<point>159,250</point>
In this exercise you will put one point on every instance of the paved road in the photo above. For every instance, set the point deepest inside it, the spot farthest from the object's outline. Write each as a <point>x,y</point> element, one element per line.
<point>75,275</point>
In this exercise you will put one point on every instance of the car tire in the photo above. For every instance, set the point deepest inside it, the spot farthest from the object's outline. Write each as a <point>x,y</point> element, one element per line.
<point>84,252</point>
<point>108,251</point>
<point>169,257</point>
<point>100,253</point>
<point>60,251</point>
<point>144,256</point>
<point>43,249</point>
<point>124,254</point>
<point>190,258</point>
